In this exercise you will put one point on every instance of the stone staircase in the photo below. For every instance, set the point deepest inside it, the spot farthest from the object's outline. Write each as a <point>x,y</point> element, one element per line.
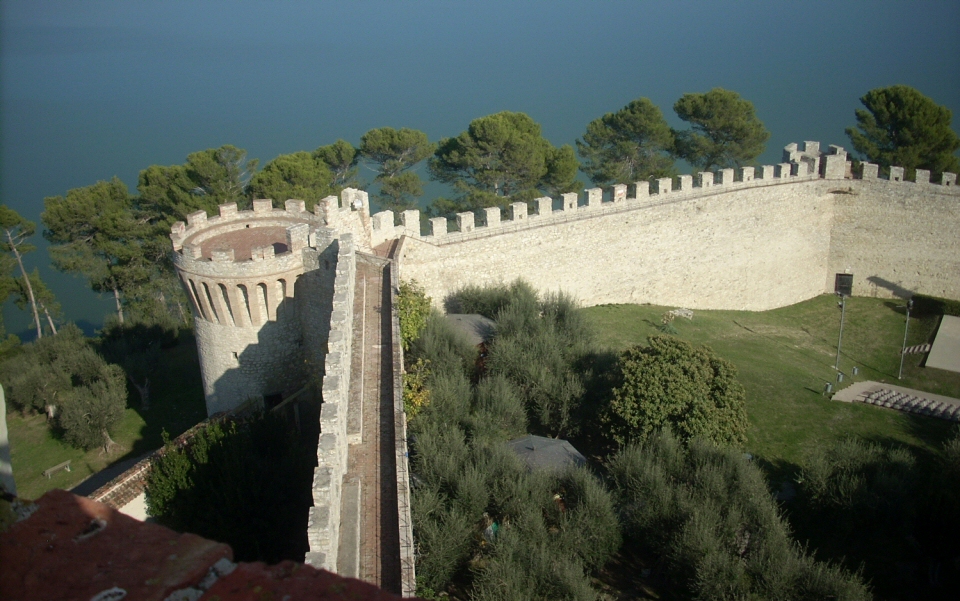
<point>913,403</point>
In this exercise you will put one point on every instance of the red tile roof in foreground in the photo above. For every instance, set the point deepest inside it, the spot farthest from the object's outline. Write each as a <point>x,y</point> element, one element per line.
<point>74,548</point>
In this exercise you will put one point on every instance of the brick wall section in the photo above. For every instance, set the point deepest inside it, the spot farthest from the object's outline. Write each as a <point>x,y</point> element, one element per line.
<point>69,547</point>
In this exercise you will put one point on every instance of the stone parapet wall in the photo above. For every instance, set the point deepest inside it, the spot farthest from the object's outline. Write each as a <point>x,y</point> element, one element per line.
<point>897,238</point>
<point>753,248</point>
<point>576,208</point>
<point>763,240</point>
<point>323,529</point>
<point>408,575</point>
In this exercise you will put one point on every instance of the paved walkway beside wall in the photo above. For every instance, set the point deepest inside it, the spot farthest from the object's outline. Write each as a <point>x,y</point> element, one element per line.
<point>900,398</point>
<point>945,353</point>
<point>369,527</point>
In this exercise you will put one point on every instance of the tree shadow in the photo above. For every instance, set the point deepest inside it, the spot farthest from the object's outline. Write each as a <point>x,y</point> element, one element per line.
<point>896,289</point>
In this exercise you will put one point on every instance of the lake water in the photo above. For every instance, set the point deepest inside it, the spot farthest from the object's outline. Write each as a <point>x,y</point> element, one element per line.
<point>96,89</point>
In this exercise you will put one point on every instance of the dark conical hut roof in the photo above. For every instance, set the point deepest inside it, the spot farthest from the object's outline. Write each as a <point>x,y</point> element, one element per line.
<point>477,328</point>
<point>546,453</point>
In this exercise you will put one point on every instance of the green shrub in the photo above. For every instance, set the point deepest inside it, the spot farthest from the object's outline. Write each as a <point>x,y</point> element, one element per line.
<point>247,485</point>
<point>490,300</point>
<point>498,411</point>
<point>542,347</point>
<point>707,514</point>
<point>524,564</point>
<point>932,305</point>
<point>588,526</point>
<point>413,307</point>
<point>671,383</point>
<point>445,347</point>
<point>857,485</point>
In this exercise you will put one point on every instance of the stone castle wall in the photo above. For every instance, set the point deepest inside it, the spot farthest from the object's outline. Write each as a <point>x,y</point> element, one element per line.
<point>260,284</point>
<point>769,237</point>
<point>323,527</point>
<point>897,238</point>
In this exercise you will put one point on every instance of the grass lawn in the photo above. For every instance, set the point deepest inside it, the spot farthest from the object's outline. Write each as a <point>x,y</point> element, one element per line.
<point>176,404</point>
<point>786,356</point>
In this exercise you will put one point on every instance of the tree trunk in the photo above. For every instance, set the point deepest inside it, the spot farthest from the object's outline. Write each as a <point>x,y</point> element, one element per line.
<point>26,280</point>
<point>144,392</point>
<point>183,315</point>
<point>107,442</point>
<point>53,328</point>
<point>116,297</point>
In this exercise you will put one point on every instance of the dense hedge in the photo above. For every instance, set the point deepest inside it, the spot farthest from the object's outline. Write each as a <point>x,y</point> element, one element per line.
<point>705,513</point>
<point>246,484</point>
<point>484,525</point>
<point>932,305</point>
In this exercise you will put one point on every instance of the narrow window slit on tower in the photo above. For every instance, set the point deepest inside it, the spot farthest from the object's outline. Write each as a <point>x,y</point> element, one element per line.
<point>213,308</point>
<point>245,299</point>
<point>226,302</point>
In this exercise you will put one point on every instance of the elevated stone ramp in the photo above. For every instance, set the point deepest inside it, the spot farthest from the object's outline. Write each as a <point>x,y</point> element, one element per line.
<point>369,522</point>
<point>901,399</point>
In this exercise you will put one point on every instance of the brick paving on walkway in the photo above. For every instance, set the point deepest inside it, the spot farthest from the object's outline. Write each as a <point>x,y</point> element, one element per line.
<point>371,463</point>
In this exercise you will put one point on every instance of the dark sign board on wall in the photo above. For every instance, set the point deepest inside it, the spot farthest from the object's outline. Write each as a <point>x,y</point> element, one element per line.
<point>844,284</point>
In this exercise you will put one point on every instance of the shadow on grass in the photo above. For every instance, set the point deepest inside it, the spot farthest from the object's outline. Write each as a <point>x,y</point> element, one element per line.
<point>177,404</point>
<point>813,355</point>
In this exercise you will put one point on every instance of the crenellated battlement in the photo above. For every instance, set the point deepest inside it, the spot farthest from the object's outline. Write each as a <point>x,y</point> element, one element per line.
<point>323,528</point>
<point>800,163</point>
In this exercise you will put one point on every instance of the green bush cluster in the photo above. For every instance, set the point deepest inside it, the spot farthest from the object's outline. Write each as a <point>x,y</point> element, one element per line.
<point>706,514</point>
<point>542,345</point>
<point>243,483</point>
<point>933,305</point>
<point>887,508</point>
<point>62,375</point>
<point>413,306</point>
<point>482,522</point>
<point>671,383</point>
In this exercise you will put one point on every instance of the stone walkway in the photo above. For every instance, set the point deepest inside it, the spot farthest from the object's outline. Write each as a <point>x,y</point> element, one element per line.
<point>945,353</point>
<point>901,399</point>
<point>369,530</point>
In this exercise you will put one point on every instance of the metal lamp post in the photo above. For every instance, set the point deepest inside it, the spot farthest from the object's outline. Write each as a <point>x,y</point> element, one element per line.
<point>843,307</point>
<point>903,348</point>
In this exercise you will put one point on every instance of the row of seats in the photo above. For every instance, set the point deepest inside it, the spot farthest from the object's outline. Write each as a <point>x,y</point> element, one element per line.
<point>903,401</point>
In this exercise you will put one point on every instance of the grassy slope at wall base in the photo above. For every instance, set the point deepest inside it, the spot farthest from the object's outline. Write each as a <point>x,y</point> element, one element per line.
<point>176,404</point>
<point>786,356</point>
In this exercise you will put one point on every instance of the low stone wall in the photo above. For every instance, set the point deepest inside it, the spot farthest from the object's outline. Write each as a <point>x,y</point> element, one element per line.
<point>408,576</point>
<point>323,527</point>
<point>126,487</point>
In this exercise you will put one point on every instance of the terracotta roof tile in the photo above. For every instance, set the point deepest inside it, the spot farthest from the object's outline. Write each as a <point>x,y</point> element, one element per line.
<point>74,548</point>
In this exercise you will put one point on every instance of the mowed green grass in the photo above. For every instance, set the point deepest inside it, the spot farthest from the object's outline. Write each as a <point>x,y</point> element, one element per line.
<point>786,356</point>
<point>177,404</point>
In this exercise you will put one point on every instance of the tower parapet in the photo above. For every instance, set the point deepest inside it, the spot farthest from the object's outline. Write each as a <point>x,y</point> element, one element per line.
<point>239,270</point>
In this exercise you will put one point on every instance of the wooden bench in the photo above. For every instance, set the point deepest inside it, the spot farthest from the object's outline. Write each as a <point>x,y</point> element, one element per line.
<point>60,466</point>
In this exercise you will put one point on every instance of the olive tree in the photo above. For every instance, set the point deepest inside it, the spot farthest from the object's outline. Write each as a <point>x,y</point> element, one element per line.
<point>671,383</point>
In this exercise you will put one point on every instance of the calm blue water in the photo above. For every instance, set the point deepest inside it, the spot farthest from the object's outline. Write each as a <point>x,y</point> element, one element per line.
<point>96,89</point>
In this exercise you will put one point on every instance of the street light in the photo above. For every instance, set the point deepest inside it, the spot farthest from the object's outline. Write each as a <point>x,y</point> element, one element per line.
<point>843,308</point>
<point>903,349</point>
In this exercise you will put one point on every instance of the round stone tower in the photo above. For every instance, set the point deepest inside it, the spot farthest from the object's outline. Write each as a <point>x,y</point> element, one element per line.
<point>239,270</point>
